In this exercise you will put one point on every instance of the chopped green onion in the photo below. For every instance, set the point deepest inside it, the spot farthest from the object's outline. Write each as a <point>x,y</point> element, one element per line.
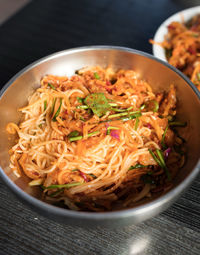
<point>136,123</point>
<point>131,117</point>
<point>40,125</point>
<point>142,107</point>
<point>51,86</point>
<point>75,170</point>
<point>53,105</point>
<point>93,176</point>
<point>122,114</point>
<point>162,160</point>
<point>58,111</point>
<point>121,110</point>
<point>81,118</point>
<point>178,124</point>
<point>198,76</point>
<point>155,158</point>
<point>73,134</point>
<point>65,186</point>
<point>136,166</point>
<point>113,104</point>
<point>45,105</point>
<point>82,107</point>
<point>96,75</point>
<point>58,192</point>
<point>195,35</point>
<point>77,138</point>
<point>111,128</point>
<point>163,137</point>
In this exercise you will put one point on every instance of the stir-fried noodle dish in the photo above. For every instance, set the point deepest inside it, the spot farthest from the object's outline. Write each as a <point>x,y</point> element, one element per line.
<point>182,47</point>
<point>100,140</point>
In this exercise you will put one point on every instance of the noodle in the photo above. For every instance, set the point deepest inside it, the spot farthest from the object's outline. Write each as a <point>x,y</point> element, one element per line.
<point>97,140</point>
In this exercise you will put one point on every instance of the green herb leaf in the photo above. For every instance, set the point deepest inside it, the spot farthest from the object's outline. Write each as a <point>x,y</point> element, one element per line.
<point>96,76</point>
<point>51,86</point>
<point>98,103</point>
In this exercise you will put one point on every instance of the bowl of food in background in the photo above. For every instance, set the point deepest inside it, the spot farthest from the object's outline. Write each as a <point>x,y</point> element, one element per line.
<point>99,135</point>
<point>177,41</point>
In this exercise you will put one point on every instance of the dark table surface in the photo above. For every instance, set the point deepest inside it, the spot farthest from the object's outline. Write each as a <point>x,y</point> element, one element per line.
<point>47,26</point>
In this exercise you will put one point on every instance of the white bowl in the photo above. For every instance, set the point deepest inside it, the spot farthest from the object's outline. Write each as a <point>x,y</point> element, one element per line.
<point>186,14</point>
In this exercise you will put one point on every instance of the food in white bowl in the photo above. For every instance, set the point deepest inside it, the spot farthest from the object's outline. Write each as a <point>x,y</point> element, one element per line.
<point>177,41</point>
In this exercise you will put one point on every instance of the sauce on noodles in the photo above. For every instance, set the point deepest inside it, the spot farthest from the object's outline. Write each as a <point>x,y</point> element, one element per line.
<point>99,140</point>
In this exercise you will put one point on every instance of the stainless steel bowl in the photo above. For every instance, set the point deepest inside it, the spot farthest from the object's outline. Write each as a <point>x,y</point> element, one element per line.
<point>159,74</point>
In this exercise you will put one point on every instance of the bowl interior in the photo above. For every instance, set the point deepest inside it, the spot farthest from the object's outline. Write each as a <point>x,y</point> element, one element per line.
<point>160,77</point>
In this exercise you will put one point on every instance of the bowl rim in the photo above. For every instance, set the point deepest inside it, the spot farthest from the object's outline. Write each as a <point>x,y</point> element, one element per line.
<point>188,13</point>
<point>123,213</point>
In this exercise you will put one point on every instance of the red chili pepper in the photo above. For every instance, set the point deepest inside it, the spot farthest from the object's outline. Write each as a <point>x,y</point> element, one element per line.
<point>84,176</point>
<point>171,27</point>
<point>192,51</point>
<point>115,134</point>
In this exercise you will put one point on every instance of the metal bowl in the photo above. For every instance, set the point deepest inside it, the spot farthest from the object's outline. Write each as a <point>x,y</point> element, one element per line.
<point>158,73</point>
